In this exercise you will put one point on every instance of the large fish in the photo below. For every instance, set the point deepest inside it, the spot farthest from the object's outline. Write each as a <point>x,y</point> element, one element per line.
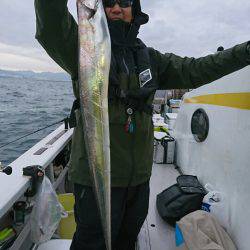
<point>94,65</point>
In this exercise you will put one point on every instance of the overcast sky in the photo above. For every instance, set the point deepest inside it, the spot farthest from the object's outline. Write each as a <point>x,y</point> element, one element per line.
<point>187,28</point>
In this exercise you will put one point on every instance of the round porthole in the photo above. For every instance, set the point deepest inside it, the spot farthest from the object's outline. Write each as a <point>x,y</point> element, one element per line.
<point>200,125</point>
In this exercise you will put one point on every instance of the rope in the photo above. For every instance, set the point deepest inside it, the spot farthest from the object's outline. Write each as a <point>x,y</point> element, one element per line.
<point>31,133</point>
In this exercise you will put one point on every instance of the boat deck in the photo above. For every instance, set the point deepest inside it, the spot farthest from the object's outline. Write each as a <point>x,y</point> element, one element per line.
<point>156,234</point>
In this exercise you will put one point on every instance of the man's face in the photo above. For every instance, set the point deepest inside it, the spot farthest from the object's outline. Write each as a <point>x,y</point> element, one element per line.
<point>118,13</point>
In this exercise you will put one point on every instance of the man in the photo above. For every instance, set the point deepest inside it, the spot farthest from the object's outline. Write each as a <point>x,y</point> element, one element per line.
<point>136,73</point>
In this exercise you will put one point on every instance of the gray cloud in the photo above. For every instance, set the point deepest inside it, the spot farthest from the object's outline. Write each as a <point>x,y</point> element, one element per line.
<point>17,22</point>
<point>196,27</point>
<point>187,28</point>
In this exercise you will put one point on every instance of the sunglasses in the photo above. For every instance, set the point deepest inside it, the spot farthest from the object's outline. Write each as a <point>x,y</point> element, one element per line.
<point>122,3</point>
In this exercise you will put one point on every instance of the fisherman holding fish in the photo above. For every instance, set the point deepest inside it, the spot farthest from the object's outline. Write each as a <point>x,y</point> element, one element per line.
<point>136,72</point>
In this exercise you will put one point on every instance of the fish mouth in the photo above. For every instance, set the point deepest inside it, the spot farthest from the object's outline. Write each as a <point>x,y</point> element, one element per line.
<point>90,4</point>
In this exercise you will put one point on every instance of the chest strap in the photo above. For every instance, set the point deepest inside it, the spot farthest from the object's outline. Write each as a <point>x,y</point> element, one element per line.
<point>135,104</point>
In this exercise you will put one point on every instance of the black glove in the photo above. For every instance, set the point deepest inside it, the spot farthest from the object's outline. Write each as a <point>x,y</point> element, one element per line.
<point>248,52</point>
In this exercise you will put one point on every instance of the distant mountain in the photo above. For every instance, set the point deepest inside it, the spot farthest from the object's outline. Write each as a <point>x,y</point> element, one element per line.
<point>36,76</point>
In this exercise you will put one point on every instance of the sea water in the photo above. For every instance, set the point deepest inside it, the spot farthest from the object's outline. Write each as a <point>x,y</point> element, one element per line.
<point>27,105</point>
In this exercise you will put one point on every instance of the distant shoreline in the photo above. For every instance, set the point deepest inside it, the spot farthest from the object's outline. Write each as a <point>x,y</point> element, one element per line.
<point>33,79</point>
<point>41,76</point>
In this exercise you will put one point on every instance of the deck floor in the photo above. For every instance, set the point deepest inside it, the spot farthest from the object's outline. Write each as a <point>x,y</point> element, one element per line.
<point>155,233</point>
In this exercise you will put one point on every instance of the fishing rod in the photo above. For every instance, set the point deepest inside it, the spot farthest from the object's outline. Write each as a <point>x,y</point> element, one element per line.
<point>36,131</point>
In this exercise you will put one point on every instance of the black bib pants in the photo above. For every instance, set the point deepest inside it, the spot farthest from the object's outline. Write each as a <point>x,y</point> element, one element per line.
<point>129,208</point>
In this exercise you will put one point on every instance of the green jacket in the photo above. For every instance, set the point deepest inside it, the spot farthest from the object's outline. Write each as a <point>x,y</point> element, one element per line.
<point>131,154</point>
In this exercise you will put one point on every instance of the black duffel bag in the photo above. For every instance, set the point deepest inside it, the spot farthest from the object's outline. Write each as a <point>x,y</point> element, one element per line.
<point>180,199</point>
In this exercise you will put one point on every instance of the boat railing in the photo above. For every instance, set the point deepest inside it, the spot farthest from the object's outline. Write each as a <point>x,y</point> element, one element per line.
<point>15,185</point>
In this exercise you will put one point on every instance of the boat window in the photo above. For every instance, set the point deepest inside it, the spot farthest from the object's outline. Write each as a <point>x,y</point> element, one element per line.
<point>200,125</point>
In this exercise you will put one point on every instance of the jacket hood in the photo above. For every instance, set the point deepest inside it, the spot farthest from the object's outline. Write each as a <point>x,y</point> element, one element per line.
<point>139,16</point>
<point>125,34</point>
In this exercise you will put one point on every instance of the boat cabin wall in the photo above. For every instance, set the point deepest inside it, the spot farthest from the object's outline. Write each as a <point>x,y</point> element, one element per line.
<point>222,159</point>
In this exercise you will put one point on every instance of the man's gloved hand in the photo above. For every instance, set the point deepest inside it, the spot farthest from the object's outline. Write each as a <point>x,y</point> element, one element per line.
<point>248,51</point>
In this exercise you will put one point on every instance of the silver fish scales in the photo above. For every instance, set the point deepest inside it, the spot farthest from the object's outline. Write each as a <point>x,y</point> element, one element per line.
<point>94,65</point>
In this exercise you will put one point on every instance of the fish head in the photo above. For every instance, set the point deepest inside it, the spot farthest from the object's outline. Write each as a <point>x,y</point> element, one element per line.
<point>90,4</point>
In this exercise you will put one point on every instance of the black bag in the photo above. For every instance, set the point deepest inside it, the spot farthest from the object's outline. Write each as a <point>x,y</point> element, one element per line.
<point>180,199</point>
